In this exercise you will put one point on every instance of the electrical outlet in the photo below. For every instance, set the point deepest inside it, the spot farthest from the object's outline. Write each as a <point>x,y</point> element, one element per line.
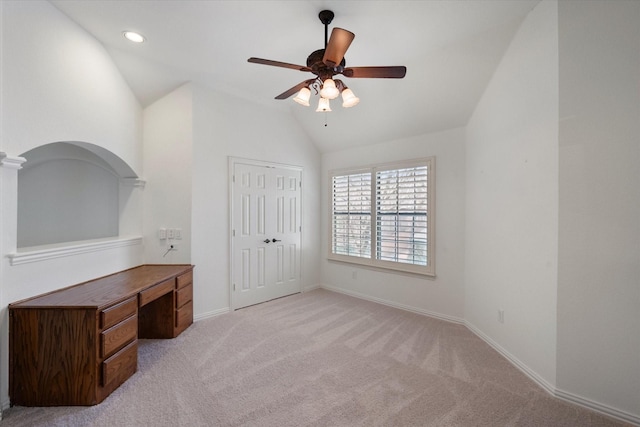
<point>162,233</point>
<point>501,316</point>
<point>170,233</point>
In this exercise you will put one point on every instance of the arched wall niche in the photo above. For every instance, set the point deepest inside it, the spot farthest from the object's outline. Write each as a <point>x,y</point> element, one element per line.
<point>70,192</point>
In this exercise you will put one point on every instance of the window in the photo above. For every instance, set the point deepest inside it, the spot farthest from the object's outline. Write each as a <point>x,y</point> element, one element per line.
<point>383,216</point>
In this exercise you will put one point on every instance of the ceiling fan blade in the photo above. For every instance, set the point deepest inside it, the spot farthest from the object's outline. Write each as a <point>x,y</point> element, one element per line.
<point>339,42</point>
<point>278,64</point>
<point>286,94</point>
<point>376,72</point>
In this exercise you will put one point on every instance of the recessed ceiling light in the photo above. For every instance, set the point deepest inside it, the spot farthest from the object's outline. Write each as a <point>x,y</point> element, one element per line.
<point>133,36</point>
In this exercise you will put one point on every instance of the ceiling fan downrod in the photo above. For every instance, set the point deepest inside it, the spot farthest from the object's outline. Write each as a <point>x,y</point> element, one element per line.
<point>326,16</point>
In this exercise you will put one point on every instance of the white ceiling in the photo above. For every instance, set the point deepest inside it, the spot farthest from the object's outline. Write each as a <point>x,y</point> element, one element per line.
<point>450,48</point>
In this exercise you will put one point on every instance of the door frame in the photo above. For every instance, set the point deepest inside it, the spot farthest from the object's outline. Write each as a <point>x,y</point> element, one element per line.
<point>232,161</point>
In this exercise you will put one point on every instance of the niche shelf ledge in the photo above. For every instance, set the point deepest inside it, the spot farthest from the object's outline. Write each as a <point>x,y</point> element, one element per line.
<point>43,253</point>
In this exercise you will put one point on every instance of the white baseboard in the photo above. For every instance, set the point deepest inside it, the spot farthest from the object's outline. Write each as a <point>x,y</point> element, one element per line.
<point>416,310</point>
<point>544,384</point>
<point>598,407</point>
<point>210,314</point>
<point>551,389</point>
<point>311,287</point>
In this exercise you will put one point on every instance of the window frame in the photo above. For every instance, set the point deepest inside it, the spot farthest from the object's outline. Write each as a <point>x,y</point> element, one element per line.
<point>372,261</point>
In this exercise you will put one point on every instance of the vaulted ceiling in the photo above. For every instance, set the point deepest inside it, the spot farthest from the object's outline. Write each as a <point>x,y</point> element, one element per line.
<point>450,48</point>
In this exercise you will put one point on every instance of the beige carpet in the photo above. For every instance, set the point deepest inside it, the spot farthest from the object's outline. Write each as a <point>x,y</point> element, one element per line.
<point>320,359</point>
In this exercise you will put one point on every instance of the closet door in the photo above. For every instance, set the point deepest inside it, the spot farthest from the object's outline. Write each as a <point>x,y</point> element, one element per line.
<point>266,232</point>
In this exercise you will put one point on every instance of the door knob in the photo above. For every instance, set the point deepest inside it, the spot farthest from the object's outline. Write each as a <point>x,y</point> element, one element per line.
<point>275,240</point>
<point>266,240</point>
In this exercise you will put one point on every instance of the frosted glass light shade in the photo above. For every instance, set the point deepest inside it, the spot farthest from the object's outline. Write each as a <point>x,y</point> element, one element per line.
<point>349,99</point>
<point>329,89</point>
<point>303,96</point>
<point>323,105</point>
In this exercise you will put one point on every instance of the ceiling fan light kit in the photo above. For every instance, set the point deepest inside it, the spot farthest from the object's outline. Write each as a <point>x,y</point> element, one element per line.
<point>325,64</point>
<point>323,106</point>
<point>303,96</point>
<point>348,98</point>
<point>329,89</point>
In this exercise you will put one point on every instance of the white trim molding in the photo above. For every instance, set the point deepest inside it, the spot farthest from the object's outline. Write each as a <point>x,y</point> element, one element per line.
<point>597,407</point>
<point>210,314</point>
<point>11,162</point>
<point>547,386</point>
<point>416,310</point>
<point>133,182</point>
<point>311,287</point>
<point>69,249</point>
<point>551,389</point>
<point>6,404</point>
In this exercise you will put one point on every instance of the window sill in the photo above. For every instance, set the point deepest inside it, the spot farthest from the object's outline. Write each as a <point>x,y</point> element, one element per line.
<point>47,252</point>
<point>389,267</point>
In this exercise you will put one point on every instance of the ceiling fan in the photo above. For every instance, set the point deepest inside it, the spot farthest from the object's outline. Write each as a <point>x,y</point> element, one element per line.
<point>327,63</point>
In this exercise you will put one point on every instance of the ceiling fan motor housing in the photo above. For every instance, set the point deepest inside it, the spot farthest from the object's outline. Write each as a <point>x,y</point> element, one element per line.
<point>314,61</point>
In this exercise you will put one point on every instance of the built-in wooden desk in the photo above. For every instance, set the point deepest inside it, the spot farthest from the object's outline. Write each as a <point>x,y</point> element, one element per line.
<point>76,345</point>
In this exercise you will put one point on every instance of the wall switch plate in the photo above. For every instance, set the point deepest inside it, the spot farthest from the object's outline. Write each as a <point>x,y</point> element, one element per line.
<point>162,233</point>
<point>170,233</point>
<point>178,234</point>
<point>501,316</point>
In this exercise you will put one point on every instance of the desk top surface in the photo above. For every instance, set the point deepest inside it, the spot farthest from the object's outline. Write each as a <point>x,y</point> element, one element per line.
<point>107,290</point>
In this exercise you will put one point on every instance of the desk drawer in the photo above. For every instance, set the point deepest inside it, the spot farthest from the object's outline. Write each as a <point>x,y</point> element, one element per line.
<point>121,365</point>
<point>114,338</point>
<point>114,314</point>
<point>184,316</point>
<point>184,280</point>
<point>156,291</point>
<point>184,295</point>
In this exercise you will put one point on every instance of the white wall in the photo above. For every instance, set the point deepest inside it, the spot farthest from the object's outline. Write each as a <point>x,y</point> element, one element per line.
<point>442,296</point>
<point>168,142</point>
<point>224,126</point>
<point>512,200</point>
<point>58,84</point>
<point>599,239</point>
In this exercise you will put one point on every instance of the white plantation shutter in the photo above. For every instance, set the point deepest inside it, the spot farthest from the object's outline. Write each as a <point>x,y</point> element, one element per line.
<point>401,215</point>
<point>351,219</point>
<point>382,216</point>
